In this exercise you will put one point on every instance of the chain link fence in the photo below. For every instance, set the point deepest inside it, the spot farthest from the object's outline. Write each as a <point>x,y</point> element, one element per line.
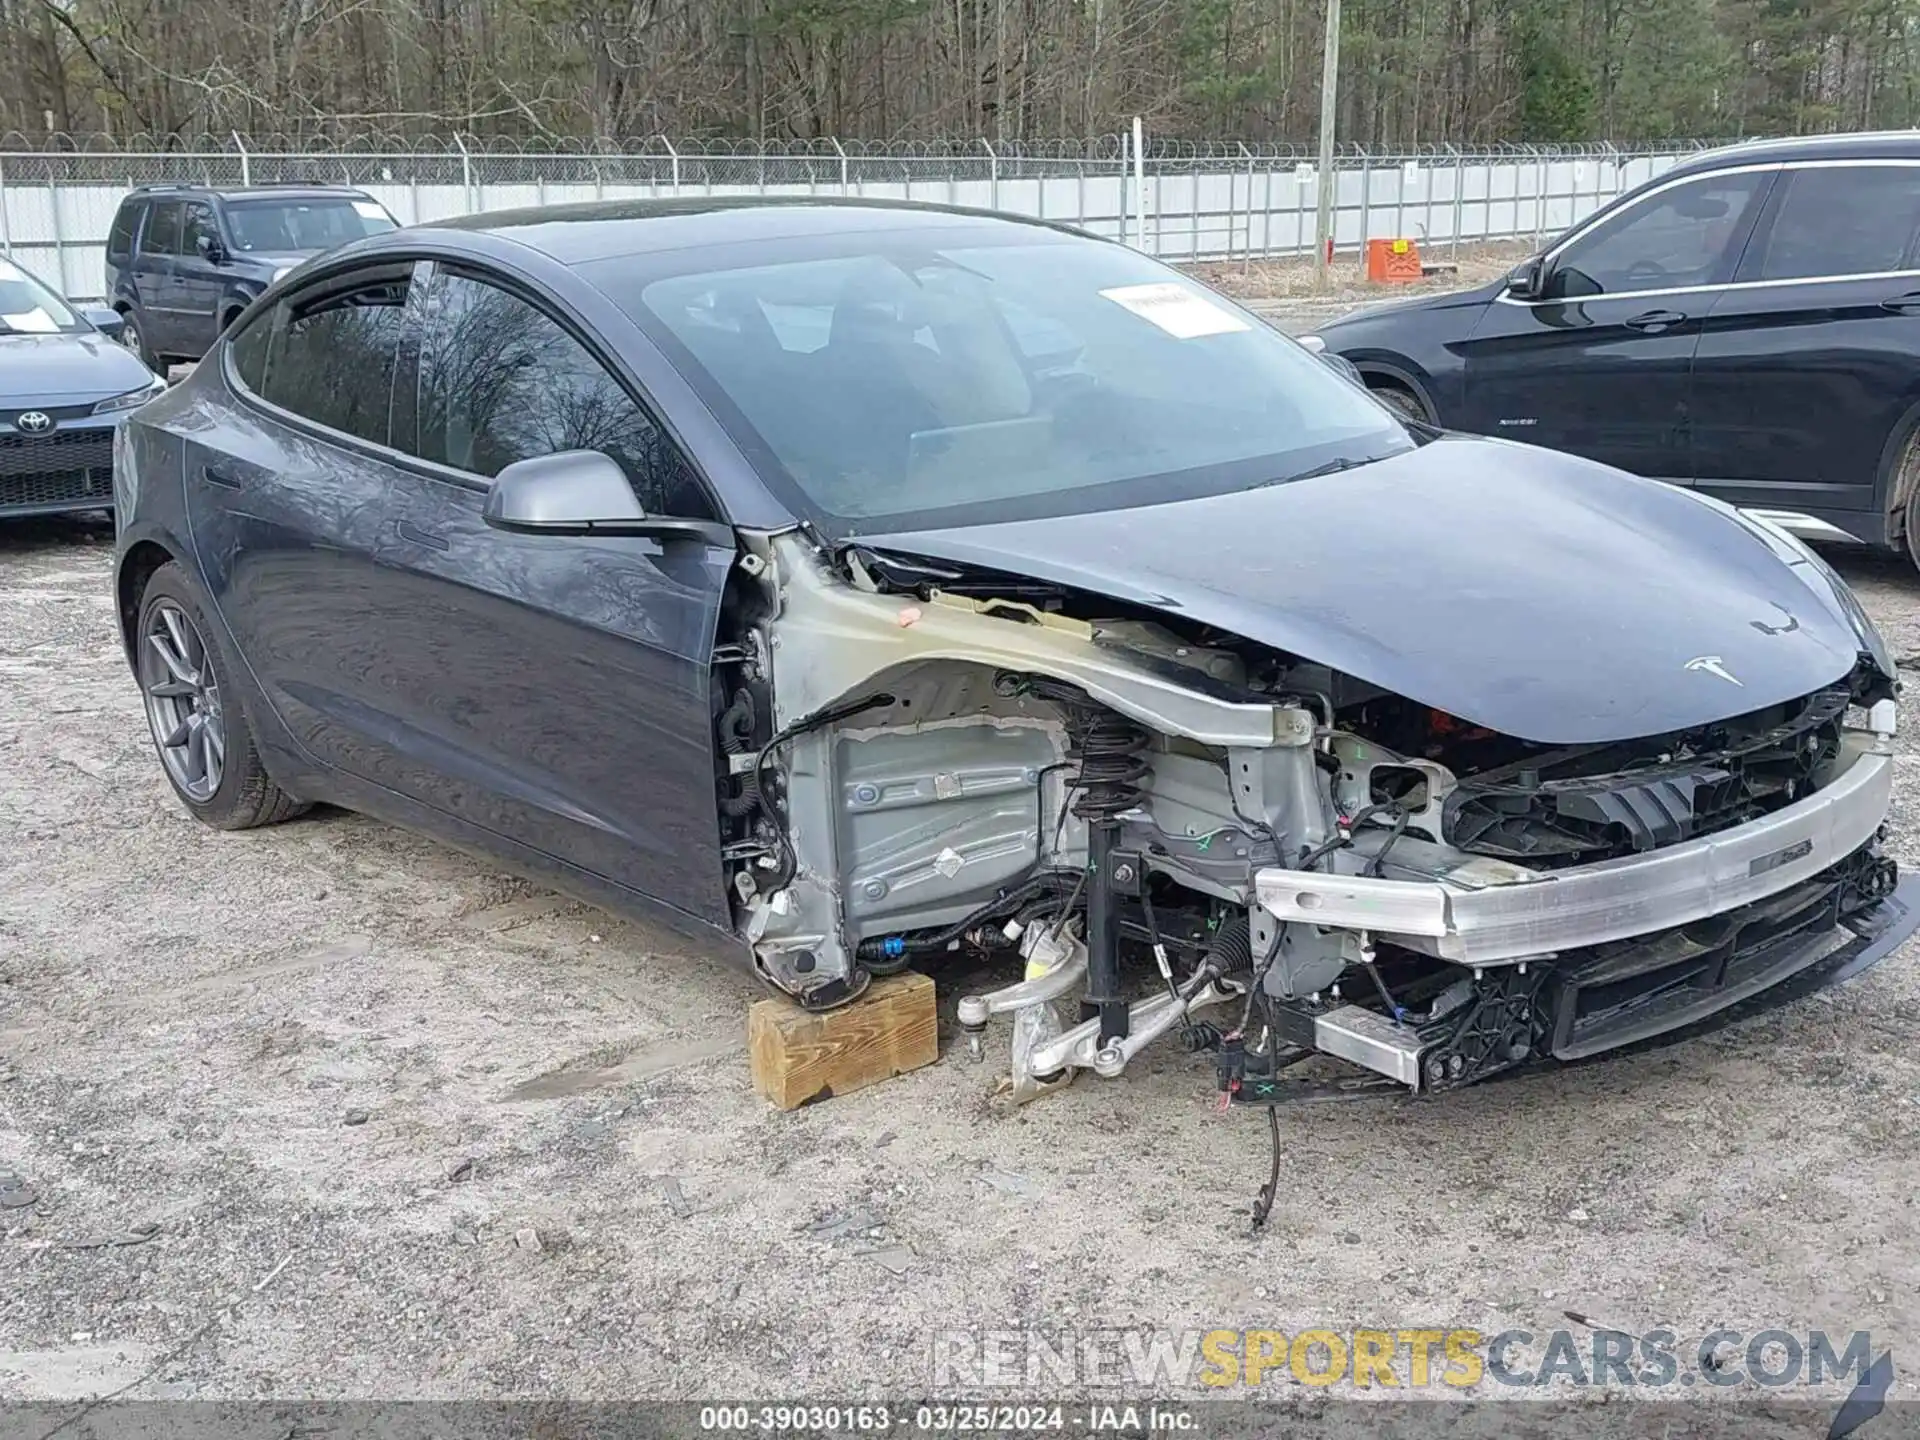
<point>1181,201</point>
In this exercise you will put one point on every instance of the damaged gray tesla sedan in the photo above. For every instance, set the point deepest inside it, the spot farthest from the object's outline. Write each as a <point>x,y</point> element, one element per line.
<point>853,585</point>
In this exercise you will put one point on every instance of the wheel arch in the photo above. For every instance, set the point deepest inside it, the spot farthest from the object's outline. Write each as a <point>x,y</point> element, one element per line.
<point>1378,370</point>
<point>136,568</point>
<point>1891,487</point>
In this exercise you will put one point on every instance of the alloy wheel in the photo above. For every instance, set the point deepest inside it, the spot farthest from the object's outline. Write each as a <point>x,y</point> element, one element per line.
<point>183,701</point>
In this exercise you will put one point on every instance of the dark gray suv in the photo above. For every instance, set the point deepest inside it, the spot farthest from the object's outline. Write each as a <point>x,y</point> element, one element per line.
<point>184,260</point>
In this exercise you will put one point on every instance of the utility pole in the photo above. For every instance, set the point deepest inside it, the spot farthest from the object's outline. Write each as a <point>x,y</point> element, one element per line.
<point>1329,88</point>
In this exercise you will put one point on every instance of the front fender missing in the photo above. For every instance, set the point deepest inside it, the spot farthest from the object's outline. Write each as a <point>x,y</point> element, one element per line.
<point>832,640</point>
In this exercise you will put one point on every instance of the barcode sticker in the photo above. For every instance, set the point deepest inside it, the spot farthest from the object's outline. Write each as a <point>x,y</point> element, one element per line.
<point>1183,313</point>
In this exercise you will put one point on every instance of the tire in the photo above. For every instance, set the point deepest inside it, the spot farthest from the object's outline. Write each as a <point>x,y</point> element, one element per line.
<point>1400,400</point>
<point>1906,479</point>
<point>199,729</point>
<point>135,339</point>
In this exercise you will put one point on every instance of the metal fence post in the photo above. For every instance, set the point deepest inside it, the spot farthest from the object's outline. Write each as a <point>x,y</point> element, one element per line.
<point>1139,185</point>
<point>1539,197</point>
<point>466,172</point>
<point>841,151</point>
<point>993,175</point>
<point>1459,197</point>
<point>675,156</point>
<point>59,240</point>
<point>6,232</point>
<point>246,161</point>
<point>1246,256</point>
<point>1193,210</point>
<point>1366,203</point>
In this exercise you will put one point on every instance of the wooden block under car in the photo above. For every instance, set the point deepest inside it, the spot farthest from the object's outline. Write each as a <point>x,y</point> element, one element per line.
<point>798,1057</point>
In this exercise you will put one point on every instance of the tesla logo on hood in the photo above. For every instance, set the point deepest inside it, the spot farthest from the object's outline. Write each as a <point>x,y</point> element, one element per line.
<point>34,422</point>
<point>1712,666</point>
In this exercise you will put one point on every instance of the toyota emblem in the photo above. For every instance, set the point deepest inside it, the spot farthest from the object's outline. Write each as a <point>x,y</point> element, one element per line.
<point>34,422</point>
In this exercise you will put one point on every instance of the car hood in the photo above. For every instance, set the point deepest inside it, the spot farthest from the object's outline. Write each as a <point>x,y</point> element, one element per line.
<point>1433,304</point>
<point>1543,596</point>
<point>64,369</point>
<point>271,260</point>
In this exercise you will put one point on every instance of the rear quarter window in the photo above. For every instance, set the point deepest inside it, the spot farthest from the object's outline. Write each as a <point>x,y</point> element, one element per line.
<point>120,238</point>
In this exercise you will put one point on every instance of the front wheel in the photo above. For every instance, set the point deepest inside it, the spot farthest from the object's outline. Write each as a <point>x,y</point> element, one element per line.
<point>1906,481</point>
<point>135,339</point>
<point>199,730</point>
<point>1401,401</point>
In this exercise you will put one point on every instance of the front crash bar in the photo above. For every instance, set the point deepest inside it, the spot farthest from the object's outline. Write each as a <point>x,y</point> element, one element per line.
<point>1610,900</point>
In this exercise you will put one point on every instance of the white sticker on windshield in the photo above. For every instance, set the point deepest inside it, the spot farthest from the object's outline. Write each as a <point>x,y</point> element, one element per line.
<point>371,210</point>
<point>1184,314</point>
<point>8,271</point>
<point>34,322</point>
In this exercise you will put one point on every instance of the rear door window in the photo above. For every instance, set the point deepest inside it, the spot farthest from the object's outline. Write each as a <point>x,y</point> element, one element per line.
<point>1839,220</point>
<point>163,230</point>
<point>328,353</point>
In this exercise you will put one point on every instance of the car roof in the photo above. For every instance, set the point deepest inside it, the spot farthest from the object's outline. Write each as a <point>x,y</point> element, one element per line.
<point>247,192</point>
<point>1869,145</point>
<point>610,229</point>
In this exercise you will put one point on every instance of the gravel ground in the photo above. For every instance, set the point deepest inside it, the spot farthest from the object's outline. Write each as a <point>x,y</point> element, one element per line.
<point>364,1117</point>
<point>1285,291</point>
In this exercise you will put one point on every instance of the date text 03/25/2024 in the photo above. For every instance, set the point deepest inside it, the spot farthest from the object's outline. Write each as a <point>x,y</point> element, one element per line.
<point>955,1419</point>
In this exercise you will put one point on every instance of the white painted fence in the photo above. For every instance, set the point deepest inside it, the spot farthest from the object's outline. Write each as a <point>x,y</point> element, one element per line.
<point>1207,203</point>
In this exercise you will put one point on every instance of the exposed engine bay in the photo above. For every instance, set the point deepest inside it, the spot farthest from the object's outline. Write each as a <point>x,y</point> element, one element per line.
<point>1167,829</point>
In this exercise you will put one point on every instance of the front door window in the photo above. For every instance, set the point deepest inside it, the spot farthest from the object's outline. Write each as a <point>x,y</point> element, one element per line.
<point>1679,237</point>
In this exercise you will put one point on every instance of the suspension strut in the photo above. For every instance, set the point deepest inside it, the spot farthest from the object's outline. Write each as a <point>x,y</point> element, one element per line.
<point>1103,999</point>
<point>1106,750</point>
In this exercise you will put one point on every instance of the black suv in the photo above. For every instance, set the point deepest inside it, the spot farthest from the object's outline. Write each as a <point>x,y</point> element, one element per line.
<point>1747,324</point>
<point>184,260</point>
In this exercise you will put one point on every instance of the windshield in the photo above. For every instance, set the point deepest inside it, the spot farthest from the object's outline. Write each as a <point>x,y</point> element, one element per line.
<point>29,308</point>
<point>279,225</point>
<point>901,382</point>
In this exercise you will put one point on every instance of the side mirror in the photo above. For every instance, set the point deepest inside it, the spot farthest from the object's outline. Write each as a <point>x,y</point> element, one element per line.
<point>210,249</point>
<point>1528,279</point>
<point>104,318</point>
<point>582,492</point>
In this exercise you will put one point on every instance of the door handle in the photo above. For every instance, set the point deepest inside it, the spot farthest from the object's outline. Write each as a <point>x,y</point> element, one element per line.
<point>1654,321</point>
<point>415,535</point>
<point>221,476</point>
<point>1907,304</point>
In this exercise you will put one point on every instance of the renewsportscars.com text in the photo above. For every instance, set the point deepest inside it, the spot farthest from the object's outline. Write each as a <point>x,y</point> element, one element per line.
<point>1455,1358</point>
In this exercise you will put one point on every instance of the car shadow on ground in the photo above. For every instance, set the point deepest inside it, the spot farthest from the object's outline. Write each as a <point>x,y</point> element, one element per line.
<point>1858,563</point>
<point>37,534</point>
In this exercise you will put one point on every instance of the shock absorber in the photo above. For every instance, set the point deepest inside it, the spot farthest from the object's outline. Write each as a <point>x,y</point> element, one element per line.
<point>1107,751</point>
